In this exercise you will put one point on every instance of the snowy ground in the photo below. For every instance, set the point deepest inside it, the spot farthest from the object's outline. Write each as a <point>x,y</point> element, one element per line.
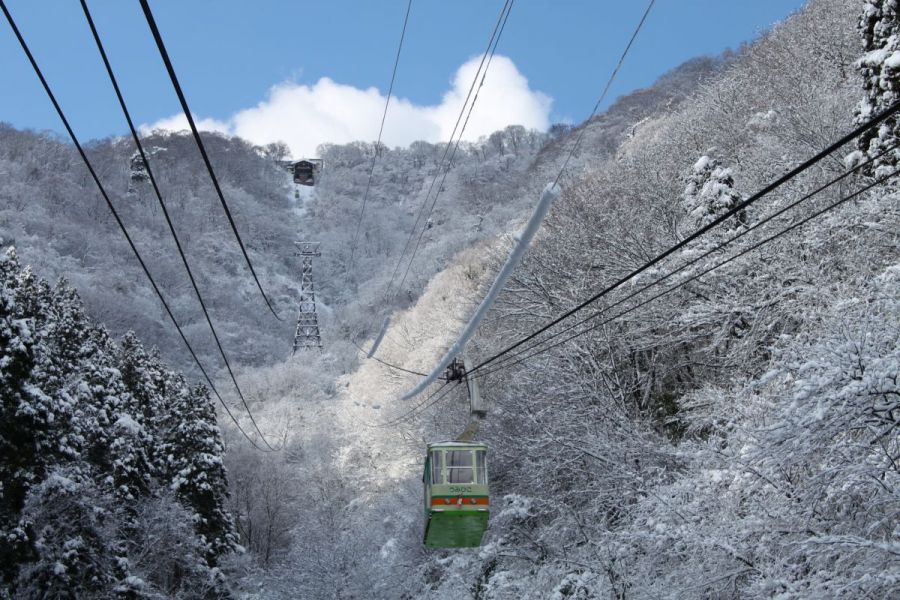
<point>416,339</point>
<point>300,196</point>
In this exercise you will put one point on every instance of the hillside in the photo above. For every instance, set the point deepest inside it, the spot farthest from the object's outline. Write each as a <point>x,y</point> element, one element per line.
<point>722,425</point>
<point>51,212</point>
<point>111,463</point>
<point>54,218</point>
<point>733,438</point>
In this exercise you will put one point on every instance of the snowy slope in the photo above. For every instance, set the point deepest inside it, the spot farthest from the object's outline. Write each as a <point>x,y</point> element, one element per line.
<point>734,439</point>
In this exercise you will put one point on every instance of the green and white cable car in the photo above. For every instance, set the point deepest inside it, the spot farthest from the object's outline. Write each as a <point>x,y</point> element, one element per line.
<point>457,501</point>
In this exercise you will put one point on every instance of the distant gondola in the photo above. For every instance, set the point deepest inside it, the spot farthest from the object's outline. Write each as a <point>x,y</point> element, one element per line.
<point>457,502</point>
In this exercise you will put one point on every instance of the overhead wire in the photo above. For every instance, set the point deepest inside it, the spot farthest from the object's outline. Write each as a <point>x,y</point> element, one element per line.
<point>741,206</point>
<point>165,211</point>
<point>462,131</point>
<point>478,374</point>
<point>698,258</point>
<point>696,276</point>
<point>550,188</point>
<point>492,43</point>
<point>148,14</point>
<point>492,46</point>
<point>872,122</point>
<point>606,88</point>
<point>512,260</point>
<point>500,20</point>
<point>421,406</point>
<point>117,218</point>
<point>387,364</point>
<point>407,415</point>
<point>387,103</point>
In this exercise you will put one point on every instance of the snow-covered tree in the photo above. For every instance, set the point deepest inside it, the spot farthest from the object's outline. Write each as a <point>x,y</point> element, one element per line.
<point>85,432</point>
<point>38,421</point>
<point>77,555</point>
<point>18,449</point>
<point>709,192</point>
<point>138,168</point>
<point>142,425</point>
<point>194,451</point>
<point>880,70</point>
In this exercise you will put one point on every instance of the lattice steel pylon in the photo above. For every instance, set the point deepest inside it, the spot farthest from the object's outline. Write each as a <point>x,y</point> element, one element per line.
<point>307,335</point>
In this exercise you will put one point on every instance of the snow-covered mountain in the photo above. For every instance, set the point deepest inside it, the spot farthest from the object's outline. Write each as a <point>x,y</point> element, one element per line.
<point>734,438</point>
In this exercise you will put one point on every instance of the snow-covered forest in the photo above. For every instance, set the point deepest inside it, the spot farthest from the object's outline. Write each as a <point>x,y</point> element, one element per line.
<point>111,463</point>
<point>735,437</point>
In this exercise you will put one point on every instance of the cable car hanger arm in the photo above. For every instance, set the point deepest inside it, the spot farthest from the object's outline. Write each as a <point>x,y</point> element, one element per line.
<point>551,191</point>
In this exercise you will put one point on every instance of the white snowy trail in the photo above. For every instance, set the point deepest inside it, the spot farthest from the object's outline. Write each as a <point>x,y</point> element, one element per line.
<point>415,340</point>
<point>551,192</point>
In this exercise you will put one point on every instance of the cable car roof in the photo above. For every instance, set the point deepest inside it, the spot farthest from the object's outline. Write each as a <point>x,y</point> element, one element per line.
<point>453,444</point>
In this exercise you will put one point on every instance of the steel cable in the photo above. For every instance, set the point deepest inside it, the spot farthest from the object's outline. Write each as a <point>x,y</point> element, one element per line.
<point>387,103</point>
<point>500,20</point>
<point>874,121</point>
<point>453,154</point>
<point>212,175</point>
<point>681,284</point>
<point>697,259</point>
<point>118,219</point>
<point>168,219</point>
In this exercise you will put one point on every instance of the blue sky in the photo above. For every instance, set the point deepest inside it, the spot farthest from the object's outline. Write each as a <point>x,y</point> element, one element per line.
<point>230,54</point>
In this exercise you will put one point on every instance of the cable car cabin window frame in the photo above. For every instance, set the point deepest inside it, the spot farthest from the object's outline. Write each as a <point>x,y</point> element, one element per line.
<point>437,467</point>
<point>445,470</point>
<point>480,467</point>
<point>460,462</point>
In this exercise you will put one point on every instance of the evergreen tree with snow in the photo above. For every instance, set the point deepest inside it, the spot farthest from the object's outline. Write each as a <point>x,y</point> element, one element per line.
<point>144,377</point>
<point>55,444</point>
<point>134,448</point>
<point>76,551</point>
<point>98,445</point>
<point>19,417</point>
<point>879,66</point>
<point>709,192</point>
<point>138,168</point>
<point>37,412</point>
<point>195,468</point>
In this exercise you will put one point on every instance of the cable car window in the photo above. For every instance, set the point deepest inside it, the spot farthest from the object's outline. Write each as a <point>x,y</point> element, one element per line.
<point>460,467</point>
<point>437,459</point>
<point>481,467</point>
<point>459,458</point>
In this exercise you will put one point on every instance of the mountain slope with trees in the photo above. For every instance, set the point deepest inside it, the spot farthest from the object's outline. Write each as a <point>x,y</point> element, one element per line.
<point>140,482</point>
<point>111,464</point>
<point>735,438</point>
<point>51,211</point>
<point>738,436</point>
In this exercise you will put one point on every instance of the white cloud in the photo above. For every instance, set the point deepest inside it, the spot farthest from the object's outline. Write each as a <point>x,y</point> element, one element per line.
<point>305,116</point>
<point>179,123</point>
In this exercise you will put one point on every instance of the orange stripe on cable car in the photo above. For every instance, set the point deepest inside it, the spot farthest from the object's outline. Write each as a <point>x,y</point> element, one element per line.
<point>460,501</point>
